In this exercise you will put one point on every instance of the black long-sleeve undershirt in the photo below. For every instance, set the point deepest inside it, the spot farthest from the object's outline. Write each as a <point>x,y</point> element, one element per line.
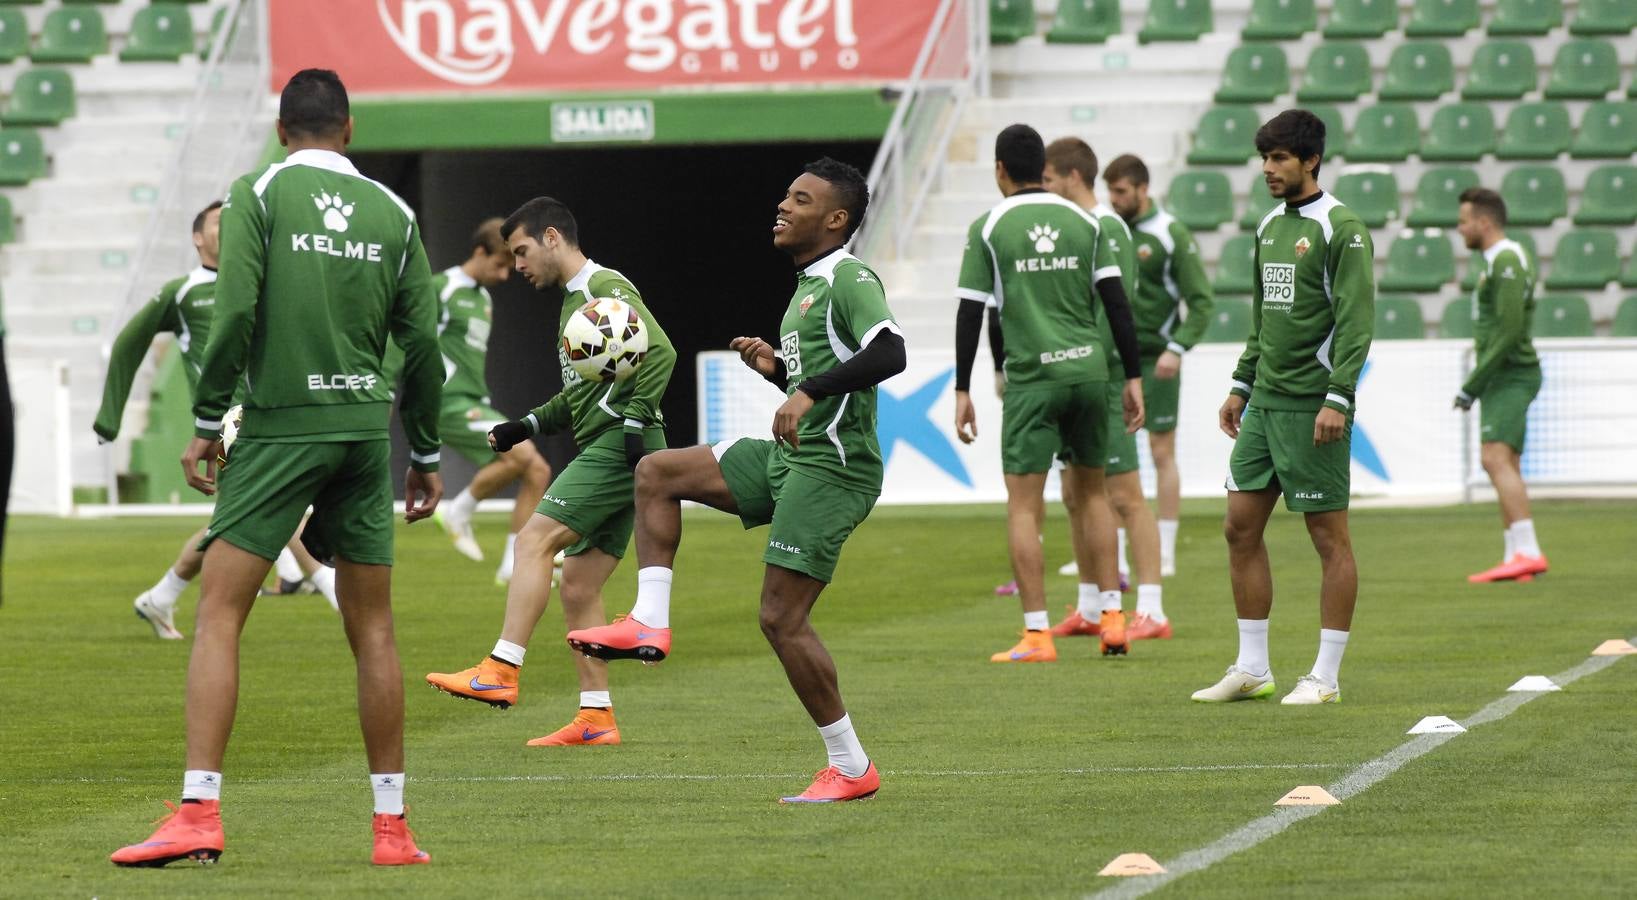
<point>874,363</point>
<point>968,330</point>
<point>1122,324</point>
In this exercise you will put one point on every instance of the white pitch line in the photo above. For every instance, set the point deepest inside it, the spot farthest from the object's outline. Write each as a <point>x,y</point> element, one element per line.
<point>1353,783</point>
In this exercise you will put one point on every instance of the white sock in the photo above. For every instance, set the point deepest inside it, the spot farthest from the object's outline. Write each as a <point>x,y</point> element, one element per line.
<point>462,507</point>
<point>288,568</point>
<point>197,784</point>
<point>1332,644</point>
<point>1168,539</point>
<point>653,597</point>
<point>389,793</point>
<point>168,589</point>
<point>324,580</point>
<point>1091,601</point>
<point>1511,546</point>
<point>1523,538</point>
<point>846,753</point>
<point>509,652</point>
<point>1125,567</point>
<point>1253,646</point>
<point>1148,602</point>
<point>1036,621</point>
<point>508,559</point>
<point>1111,601</point>
<point>596,699</point>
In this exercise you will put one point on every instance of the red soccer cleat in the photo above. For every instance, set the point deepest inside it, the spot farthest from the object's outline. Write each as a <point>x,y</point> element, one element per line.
<point>591,727</point>
<point>1112,631</point>
<point>626,638</point>
<point>191,831</point>
<point>1145,628</point>
<point>395,843</point>
<point>1518,568</point>
<point>1076,625</point>
<point>830,786</point>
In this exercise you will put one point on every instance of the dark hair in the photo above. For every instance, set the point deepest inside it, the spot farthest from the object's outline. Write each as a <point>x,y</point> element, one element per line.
<point>852,190</point>
<point>1296,130</point>
<point>199,220</point>
<point>1070,154</point>
<point>1127,167</point>
<point>488,237</point>
<point>535,216</point>
<point>1021,152</point>
<point>314,104</point>
<point>1486,202</point>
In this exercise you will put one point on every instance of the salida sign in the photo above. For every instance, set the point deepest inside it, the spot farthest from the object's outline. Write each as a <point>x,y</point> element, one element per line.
<point>420,46</point>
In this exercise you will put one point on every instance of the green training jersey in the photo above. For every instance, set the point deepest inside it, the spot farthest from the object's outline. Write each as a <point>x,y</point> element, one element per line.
<point>319,264</point>
<point>466,313</point>
<point>1313,311</point>
<point>1173,300</point>
<point>1036,256</point>
<point>1123,249</point>
<point>182,307</point>
<point>590,408</point>
<point>1503,309</point>
<point>838,308</point>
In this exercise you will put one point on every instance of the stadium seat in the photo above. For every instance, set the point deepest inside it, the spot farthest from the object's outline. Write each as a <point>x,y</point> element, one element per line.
<point>1176,20</point>
<point>1501,70</point>
<point>1584,69</point>
<point>1438,196</point>
<point>71,34</point>
<point>162,32</point>
<point>1280,20</point>
<point>8,221</point>
<point>1562,316</point>
<point>22,156</point>
<point>13,35</point>
<point>40,97</point>
<point>1084,22</point>
<point>1361,18</point>
<point>1456,321</point>
<point>1442,18</point>
<point>1585,258</point>
<point>1254,73</point>
<point>1200,200</point>
<point>1628,275</point>
<point>1398,318</point>
<point>1258,205</point>
<point>1625,318</point>
<point>1230,321</point>
<point>1385,132</point>
<point>1226,136</point>
<point>1608,130</point>
<point>1010,20</point>
<point>1604,17</point>
<point>1610,197</point>
<point>1336,70</point>
<point>1236,266</point>
<point>1525,239</point>
<point>1460,132</point>
<point>1535,195</point>
<point>218,21</point>
<point>1371,195</point>
<point>1419,70</point>
<point>1535,131</point>
<point>1335,127</point>
<point>1419,262</point>
<point>1526,17</point>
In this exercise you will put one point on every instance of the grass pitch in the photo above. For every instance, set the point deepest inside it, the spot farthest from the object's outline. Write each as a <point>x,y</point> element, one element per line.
<point>997,780</point>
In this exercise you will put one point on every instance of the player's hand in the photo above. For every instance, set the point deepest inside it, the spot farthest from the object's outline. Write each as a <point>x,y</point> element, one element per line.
<point>1000,383</point>
<point>1463,401</point>
<point>1329,426</point>
<point>788,418</point>
<point>1169,365</point>
<point>206,451</point>
<point>507,435</point>
<point>966,418</point>
<point>422,491</point>
<point>756,353</point>
<point>1227,418</point>
<point>1131,400</point>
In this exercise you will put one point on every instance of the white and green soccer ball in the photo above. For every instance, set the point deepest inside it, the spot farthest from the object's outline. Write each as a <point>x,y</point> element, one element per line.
<point>230,433</point>
<point>605,340</point>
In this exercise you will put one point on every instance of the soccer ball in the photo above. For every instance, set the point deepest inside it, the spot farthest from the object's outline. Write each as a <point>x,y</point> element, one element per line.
<point>230,433</point>
<point>605,340</point>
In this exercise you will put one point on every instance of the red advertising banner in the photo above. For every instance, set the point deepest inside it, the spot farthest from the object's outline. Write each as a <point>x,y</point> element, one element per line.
<point>433,46</point>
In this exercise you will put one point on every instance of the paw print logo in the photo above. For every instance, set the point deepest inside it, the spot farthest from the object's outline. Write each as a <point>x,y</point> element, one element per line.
<point>336,211</point>
<point>1044,237</point>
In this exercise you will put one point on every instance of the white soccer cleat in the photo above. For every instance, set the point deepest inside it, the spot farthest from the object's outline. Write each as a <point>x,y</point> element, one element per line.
<point>460,531</point>
<point>1237,684</point>
<point>162,618</point>
<point>1069,568</point>
<point>1311,691</point>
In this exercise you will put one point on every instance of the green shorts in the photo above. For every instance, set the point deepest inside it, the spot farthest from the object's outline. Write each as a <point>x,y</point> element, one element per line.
<point>1121,456</point>
<point>464,425</point>
<point>1503,409</point>
<point>1275,449</point>
<point>266,488</point>
<point>1069,421</point>
<point>1160,397</point>
<point>595,494</point>
<point>811,519</point>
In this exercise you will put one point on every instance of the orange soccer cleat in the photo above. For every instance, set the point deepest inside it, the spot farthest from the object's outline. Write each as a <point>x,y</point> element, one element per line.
<point>395,843</point>
<point>1518,568</point>
<point>1036,646</point>
<point>591,727</point>
<point>1144,627</point>
<point>830,786</point>
<point>490,681</point>
<point>191,831</point>
<point>1076,625</point>
<point>1112,630</point>
<point>626,638</point>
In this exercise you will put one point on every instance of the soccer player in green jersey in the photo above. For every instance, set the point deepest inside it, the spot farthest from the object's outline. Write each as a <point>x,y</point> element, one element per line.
<point>813,483</point>
<point>1290,410</point>
<point>1046,263</point>
<point>466,315</point>
<point>1172,307</point>
<point>588,512</point>
<point>1506,378</point>
<point>319,263</point>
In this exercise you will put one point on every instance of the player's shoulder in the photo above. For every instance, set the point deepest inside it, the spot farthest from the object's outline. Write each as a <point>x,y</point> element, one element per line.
<point>604,282</point>
<point>169,290</point>
<point>853,274</point>
<point>1510,261</point>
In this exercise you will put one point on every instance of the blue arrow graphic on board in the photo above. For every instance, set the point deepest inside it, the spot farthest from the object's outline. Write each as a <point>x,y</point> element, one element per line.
<point>1364,452</point>
<point>909,419</point>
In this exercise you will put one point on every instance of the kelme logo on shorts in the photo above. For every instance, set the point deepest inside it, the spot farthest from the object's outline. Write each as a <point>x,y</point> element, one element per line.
<point>794,551</point>
<point>1310,495</point>
<point>1278,286</point>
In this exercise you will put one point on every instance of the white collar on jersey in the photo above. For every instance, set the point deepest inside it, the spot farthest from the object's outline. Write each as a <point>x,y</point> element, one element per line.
<point>825,266</point>
<point>582,277</point>
<point>323,159</point>
<point>1503,244</point>
<point>459,278</point>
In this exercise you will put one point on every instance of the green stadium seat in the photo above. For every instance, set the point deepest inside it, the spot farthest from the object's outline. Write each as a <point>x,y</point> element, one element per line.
<point>1534,195</point>
<point>1562,316</point>
<point>1535,131</point>
<point>71,34</point>
<point>1258,205</point>
<point>1625,318</point>
<point>13,35</point>
<point>1610,197</point>
<point>1442,18</point>
<point>1525,239</point>
<point>1438,196</point>
<point>1526,17</point>
<point>1336,70</point>
<point>22,156</point>
<point>1585,258</point>
<point>1254,73</point>
<point>1460,132</point>
<point>1501,70</point>
<point>1628,275</point>
<point>1010,20</point>
<point>1608,130</point>
<point>1335,127</point>
<point>1584,69</point>
<point>1398,318</point>
<point>1236,266</point>
<point>1371,195</point>
<point>1084,22</point>
<point>1280,20</point>
<point>1604,17</point>
<point>40,96</point>
<point>22,2</point>
<point>1176,20</point>
<point>1385,132</point>
<point>1361,18</point>
<point>1230,321</point>
<point>8,221</point>
<point>162,32</point>
<point>1419,70</point>
<point>1200,200</point>
<point>1419,262</point>
<point>1226,136</point>
<point>1456,322</point>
